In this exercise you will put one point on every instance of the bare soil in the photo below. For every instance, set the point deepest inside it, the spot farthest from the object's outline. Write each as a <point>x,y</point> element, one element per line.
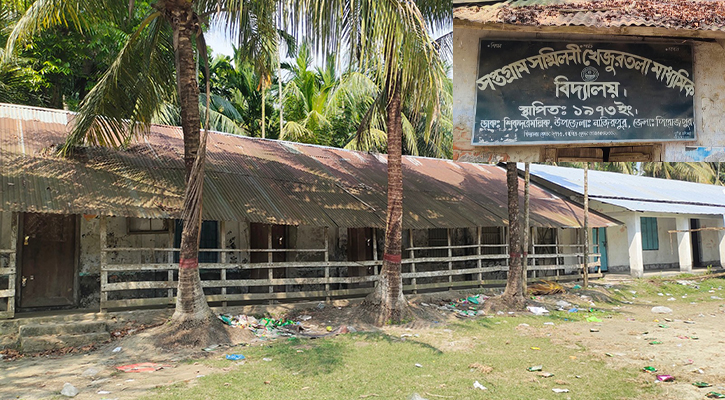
<point>689,351</point>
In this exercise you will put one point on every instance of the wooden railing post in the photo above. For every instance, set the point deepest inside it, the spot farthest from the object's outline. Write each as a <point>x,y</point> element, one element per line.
<point>170,255</point>
<point>413,281</point>
<point>223,259</point>
<point>450,254</point>
<point>478,252</point>
<point>327,268</point>
<point>104,262</point>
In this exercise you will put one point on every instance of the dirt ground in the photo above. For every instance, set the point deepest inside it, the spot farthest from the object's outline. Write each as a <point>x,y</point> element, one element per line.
<point>689,351</point>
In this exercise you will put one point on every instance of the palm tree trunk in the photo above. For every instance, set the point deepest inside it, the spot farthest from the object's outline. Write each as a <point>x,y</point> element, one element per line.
<point>190,303</point>
<point>586,225</point>
<point>263,117</point>
<point>387,300</point>
<point>513,294</point>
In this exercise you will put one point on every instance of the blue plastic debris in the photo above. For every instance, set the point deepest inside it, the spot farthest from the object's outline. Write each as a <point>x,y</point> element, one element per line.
<point>235,357</point>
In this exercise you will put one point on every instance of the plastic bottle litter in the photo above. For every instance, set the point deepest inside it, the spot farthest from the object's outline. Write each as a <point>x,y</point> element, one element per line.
<point>535,368</point>
<point>649,369</point>
<point>557,390</point>
<point>537,310</point>
<point>266,359</point>
<point>661,310</point>
<point>701,384</point>
<point>69,390</point>
<point>715,395</point>
<point>477,385</point>
<point>117,349</point>
<point>235,357</point>
<point>418,365</point>
<point>665,378</point>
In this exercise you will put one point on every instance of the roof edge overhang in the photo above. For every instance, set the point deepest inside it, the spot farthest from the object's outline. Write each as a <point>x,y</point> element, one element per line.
<point>642,31</point>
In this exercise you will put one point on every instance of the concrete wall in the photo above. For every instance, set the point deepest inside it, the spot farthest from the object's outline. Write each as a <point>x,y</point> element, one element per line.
<point>709,69</point>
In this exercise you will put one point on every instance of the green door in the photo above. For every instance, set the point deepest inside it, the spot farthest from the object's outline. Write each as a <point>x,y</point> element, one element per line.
<point>600,246</point>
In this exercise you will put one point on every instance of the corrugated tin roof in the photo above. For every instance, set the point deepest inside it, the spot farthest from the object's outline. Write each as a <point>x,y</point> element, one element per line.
<point>638,193</point>
<point>701,15</point>
<point>250,179</point>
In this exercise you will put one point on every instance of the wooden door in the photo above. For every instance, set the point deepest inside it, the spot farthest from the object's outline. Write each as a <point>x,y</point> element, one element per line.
<point>359,248</point>
<point>259,237</point>
<point>47,260</point>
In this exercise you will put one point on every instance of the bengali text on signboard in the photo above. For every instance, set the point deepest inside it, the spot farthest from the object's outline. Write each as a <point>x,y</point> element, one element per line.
<point>533,92</point>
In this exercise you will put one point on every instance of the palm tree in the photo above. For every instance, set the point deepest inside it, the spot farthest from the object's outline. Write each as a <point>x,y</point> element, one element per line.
<point>700,172</point>
<point>158,56</point>
<point>391,38</point>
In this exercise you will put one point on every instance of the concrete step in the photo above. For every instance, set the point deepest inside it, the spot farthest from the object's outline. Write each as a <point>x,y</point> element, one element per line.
<point>35,344</point>
<point>63,328</point>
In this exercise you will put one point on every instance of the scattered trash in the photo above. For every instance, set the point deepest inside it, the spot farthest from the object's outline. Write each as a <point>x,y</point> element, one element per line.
<point>573,310</point>
<point>689,322</point>
<point>535,348</point>
<point>69,390</point>
<point>576,287</point>
<point>661,310</point>
<point>545,288</point>
<point>557,390</point>
<point>235,357</point>
<point>211,348</point>
<point>545,374</point>
<point>523,325</point>
<point>103,392</point>
<point>592,318</point>
<point>655,342</point>
<point>477,385</point>
<point>715,395</point>
<point>535,368</point>
<point>90,372</point>
<point>663,326</point>
<point>699,371</point>
<point>266,359</point>
<point>117,349</point>
<point>304,317</point>
<point>142,367</point>
<point>563,304</point>
<point>549,323</point>
<point>649,369</point>
<point>416,396</point>
<point>418,365</point>
<point>593,329</point>
<point>484,369</point>
<point>665,378</point>
<point>537,310</point>
<point>320,305</point>
<point>702,384</point>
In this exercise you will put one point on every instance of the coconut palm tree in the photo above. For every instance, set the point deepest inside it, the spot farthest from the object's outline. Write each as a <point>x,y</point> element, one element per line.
<point>156,65</point>
<point>700,172</point>
<point>392,39</point>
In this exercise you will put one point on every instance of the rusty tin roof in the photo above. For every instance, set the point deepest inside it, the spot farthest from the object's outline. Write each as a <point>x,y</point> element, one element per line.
<point>249,179</point>
<point>688,15</point>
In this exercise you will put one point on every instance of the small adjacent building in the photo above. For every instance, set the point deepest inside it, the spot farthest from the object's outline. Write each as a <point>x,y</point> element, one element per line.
<point>282,221</point>
<point>668,224</point>
<point>598,81</point>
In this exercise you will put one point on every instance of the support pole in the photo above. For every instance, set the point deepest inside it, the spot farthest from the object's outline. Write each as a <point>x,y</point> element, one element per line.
<point>586,224</point>
<point>104,263</point>
<point>525,256</point>
<point>414,281</point>
<point>223,259</point>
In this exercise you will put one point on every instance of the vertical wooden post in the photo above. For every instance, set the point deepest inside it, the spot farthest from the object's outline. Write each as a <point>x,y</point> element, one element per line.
<point>327,267</point>
<point>170,272</point>
<point>450,262</point>
<point>223,260</point>
<point>12,262</point>
<point>414,280</point>
<point>586,224</point>
<point>270,258</point>
<point>533,250</point>
<point>375,250</point>
<point>556,251</point>
<point>525,258</point>
<point>104,262</point>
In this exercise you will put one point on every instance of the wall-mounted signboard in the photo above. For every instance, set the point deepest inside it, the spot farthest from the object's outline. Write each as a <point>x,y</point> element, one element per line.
<point>536,92</point>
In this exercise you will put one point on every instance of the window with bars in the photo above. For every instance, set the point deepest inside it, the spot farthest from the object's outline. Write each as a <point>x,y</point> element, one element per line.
<point>650,241</point>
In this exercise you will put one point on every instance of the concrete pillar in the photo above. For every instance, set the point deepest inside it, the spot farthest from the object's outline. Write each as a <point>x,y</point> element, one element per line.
<point>684,245</point>
<point>634,239</point>
<point>721,235</point>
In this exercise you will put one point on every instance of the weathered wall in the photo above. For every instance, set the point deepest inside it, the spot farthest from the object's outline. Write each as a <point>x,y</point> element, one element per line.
<point>709,70</point>
<point>710,241</point>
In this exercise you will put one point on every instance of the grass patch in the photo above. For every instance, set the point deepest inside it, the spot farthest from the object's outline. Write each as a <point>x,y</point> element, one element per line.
<point>366,364</point>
